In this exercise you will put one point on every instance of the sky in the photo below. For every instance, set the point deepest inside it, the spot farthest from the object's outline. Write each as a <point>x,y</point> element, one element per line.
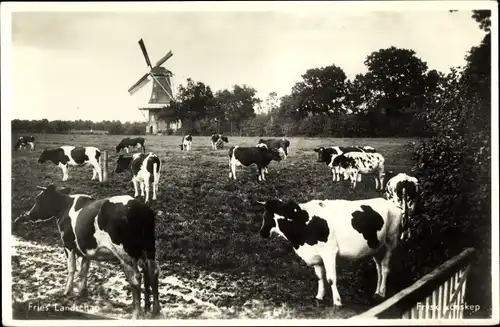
<point>80,64</point>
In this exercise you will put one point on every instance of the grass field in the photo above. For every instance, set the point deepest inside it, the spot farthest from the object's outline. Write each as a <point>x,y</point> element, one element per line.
<point>214,263</point>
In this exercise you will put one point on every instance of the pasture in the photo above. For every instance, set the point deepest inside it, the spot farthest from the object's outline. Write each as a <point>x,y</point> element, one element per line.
<point>214,263</point>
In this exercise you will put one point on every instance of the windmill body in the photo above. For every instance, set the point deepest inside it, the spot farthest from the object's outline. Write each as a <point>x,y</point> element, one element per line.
<point>161,94</point>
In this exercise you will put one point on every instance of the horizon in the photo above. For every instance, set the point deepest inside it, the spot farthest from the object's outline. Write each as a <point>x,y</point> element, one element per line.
<point>82,63</point>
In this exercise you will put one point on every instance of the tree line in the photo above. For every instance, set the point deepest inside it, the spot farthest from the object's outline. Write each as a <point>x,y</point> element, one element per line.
<point>388,100</point>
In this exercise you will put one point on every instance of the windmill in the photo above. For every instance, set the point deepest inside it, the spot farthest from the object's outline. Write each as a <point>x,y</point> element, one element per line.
<point>161,94</point>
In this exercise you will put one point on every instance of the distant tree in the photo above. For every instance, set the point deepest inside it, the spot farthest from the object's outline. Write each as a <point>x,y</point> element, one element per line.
<point>237,105</point>
<point>321,91</point>
<point>396,80</point>
<point>483,17</point>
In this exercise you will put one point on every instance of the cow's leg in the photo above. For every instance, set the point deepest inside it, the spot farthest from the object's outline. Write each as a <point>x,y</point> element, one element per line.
<point>154,272</point>
<point>329,260</point>
<point>84,270</point>
<point>146,186</point>
<point>259,171</point>
<point>319,270</point>
<point>381,176</point>
<point>142,185</point>
<point>71,263</point>
<point>126,148</point>
<point>136,192</point>
<point>147,287</point>
<point>233,168</point>
<point>379,274</point>
<point>134,278</point>
<point>354,178</point>
<point>64,168</point>
<point>391,244</point>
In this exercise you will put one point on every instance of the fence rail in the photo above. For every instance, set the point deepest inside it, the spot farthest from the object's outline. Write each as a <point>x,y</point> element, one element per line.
<point>438,295</point>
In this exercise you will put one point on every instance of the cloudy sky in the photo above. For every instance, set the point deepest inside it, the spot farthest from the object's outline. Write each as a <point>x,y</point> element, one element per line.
<point>79,65</point>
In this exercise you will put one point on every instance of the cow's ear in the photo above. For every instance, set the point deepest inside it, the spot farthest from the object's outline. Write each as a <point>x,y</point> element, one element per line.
<point>65,190</point>
<point>273,205</point>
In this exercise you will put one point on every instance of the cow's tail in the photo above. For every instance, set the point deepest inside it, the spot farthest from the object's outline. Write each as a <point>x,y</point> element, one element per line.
<point>143,147</point>
<point>404,203</point>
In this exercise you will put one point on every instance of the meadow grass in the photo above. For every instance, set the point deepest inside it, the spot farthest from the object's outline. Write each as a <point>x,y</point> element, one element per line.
<point>207,222</point>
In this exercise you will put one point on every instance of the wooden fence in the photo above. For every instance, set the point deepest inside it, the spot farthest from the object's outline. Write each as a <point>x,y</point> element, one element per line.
<point>437,295</point>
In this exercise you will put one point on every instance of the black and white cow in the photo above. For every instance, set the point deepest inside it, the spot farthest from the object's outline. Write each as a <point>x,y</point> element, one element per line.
<point>247,156</point>
<point>145,168</point>
<point>352,164</point>
<point>186,142</point>
<point>326,154</point>
<point>281,145</point>
<point>321,230</point>
<point>25,141</point>
<point>218,141</point>
<point>66,156</point>
<point>127,142</point>
<point>117,229</point>
<point>403,190</point>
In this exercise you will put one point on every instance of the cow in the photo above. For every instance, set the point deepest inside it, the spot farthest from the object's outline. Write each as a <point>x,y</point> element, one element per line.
<point>247,156</point>
<point>117,229</point>
<point>24,141</point>
<point>403,190</point>
<point>281,145</point>
<point>321,230</point>
<point>66,156</point>
<point>127,142</point>
<point>326,154</point>
<point>186,142</point>
<point>145,168</point>
<point>218,141</point>
<point>352,164</point>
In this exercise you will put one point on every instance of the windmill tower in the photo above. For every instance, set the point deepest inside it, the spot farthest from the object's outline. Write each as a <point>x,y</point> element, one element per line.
<point>161,94</point>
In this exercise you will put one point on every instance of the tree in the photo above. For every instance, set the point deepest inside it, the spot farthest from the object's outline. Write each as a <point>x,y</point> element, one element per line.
<point>321,91</point>
<point>237,105</point>
<point>194,102</point>
<point>395,81</point>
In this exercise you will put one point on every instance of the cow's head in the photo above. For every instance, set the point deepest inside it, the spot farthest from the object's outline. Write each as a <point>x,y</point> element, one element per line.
<point>281,217</point>
<point>48,203</point>
<point>276,154</point>
<point>44,156</point>
<point>122,163</point>
<point>224,139</point>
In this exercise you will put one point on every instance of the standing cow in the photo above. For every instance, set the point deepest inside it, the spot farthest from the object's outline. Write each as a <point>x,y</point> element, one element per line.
<point>186,142</point>
<point>247,156</point>
<point>25,141</point>
<point>327,154</point>
<point>117,228</point>
<point>145,168</point>
<point>127,142</point>
<point>352,164</point>
<point>402,190</point>
<point>218,141</point>
<point>281,145</point>
<point>321,230</point>
<point>66,156</point>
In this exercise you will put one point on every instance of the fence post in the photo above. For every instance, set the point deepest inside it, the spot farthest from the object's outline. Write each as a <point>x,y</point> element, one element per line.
<point>104,165</point>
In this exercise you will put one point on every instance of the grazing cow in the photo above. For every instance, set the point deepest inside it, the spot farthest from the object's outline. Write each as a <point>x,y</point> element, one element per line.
<point>117,229</point>
<point>24,141</point>
<point>66,156</point>
<point>281,145</point>
<point>247,156</point>
<point>319,230</point>
<point>127,142</point>
<point>186,142</point>
<point>403,189</point>
<point>326,154</point>
<point>218,141</point>
<point>145,168</point>
<point>352,164</point>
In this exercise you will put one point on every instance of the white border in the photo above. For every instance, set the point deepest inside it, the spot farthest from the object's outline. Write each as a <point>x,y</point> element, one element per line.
<point>6,111</point>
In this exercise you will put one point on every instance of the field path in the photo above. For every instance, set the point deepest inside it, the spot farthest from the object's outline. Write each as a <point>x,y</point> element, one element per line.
<point>39,273</point>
